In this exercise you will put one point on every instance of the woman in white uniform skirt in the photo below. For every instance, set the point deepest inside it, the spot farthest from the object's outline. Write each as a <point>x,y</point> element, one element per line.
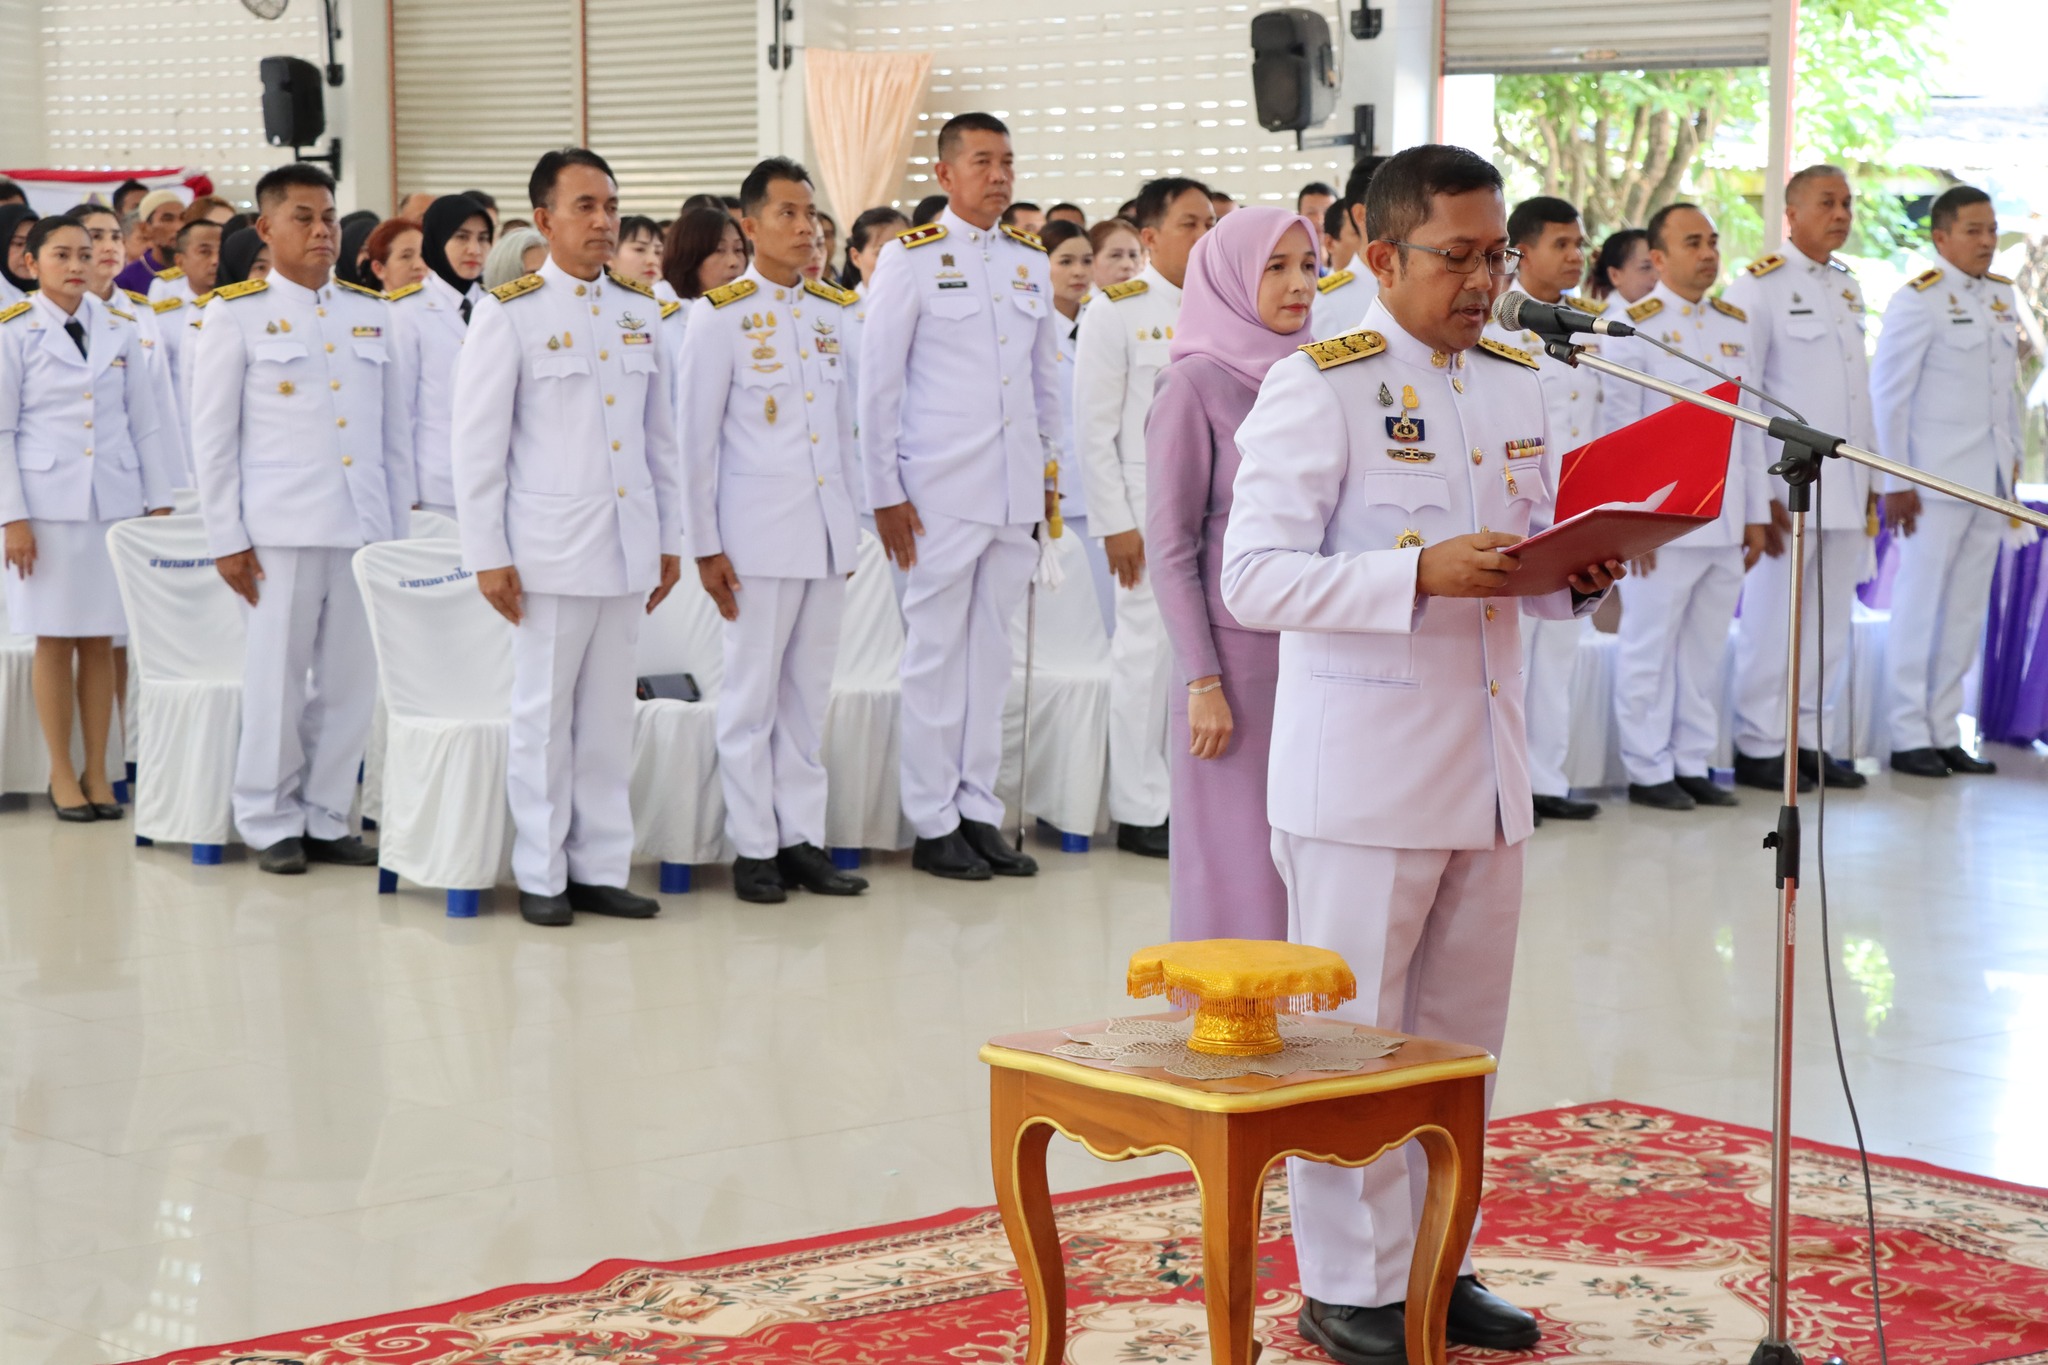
<point>81,447</point>
<point>431,318</point>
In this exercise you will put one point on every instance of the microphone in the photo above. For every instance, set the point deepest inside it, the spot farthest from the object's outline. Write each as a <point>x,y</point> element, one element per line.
<point>1518,312</point>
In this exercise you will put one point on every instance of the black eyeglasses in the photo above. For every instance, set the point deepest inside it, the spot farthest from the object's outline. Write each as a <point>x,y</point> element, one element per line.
<point>1502,263</point>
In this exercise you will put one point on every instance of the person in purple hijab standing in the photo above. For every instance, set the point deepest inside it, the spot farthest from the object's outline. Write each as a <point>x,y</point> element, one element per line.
<point>1249,286</point>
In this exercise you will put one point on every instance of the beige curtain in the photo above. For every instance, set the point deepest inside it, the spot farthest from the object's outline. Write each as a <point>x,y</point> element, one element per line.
<point>862,108</point>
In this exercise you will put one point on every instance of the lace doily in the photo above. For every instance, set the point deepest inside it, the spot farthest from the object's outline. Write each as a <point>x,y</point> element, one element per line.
<point>1163,1043</point>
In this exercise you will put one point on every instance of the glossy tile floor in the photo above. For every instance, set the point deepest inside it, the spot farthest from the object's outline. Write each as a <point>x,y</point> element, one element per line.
<point>232,1104</point>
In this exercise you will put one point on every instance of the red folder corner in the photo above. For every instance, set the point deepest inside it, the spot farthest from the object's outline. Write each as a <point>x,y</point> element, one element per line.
<point>1679,444</point>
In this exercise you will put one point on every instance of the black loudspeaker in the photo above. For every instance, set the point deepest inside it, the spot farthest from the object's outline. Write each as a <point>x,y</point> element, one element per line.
<point>1294,70</point>
<point>293,112</point>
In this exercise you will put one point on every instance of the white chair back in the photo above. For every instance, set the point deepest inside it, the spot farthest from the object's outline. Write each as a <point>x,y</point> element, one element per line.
<point>431,526</point>
<point>184,623</point>
<point>1070,634</point>
<point>683,635</point>
<point>442,651</point>
<point>871,640</point>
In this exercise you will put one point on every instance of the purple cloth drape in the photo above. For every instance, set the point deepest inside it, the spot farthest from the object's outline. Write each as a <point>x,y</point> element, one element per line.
<point>2013,699</point>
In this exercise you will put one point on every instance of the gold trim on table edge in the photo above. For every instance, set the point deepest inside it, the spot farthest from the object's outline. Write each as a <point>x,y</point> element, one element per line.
<point>1212,1102</point>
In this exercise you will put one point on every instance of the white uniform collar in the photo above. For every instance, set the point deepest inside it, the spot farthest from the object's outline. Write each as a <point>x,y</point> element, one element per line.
<point>1813,267</point>
<point>1401,345</point>
<point>770,287</point>
<point>554,274</point>
<point>57,317</point>
<point>288,292</point>
<point>443,292</point>
<point>1678,302</point>
<point>956,224</point>
<point>1150,274</point>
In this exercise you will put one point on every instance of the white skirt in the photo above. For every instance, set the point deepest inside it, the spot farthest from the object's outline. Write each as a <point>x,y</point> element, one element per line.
<point>72,591</point>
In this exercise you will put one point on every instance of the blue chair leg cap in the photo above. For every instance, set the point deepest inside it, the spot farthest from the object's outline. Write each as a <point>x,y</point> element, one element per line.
<point>208,855</point>
<point>675,879</point>
<point>464,904</point>
<point>121,797</point>
<point>141,842</point>
<point>387,882</point>
<point>1073,843</point>
<point>368,824</point>
<point>131,772</point>
<point>846,859</point>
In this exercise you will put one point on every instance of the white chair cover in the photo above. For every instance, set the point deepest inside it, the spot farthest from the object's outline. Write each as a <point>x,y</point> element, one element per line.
<point>185,644</point>
<point>444,665</point>
<point>863,804</point>
<point>370,797</point>
<point>184,502</point>
<point>1069,766</point>
<point>678,807</point>
<point>24,764</point>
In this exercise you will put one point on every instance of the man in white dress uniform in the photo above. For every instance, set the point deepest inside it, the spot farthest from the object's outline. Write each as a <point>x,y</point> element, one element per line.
<point>960,416</point>
<point>302,457</point>
<point>1124,342</point>
<point>566,490</point>
<point>1806,320</point>
<point>1676,611</point>
<point>1343,295</point>
<point>1383,472</point>
<point>1945,388</point>
<point>768,512</point>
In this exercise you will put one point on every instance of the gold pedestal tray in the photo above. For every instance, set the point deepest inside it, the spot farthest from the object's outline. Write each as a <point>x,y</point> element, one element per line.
<point>1238,987</point>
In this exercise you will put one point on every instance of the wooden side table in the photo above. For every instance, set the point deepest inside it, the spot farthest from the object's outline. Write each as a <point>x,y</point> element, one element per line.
<point>1230,1132</point>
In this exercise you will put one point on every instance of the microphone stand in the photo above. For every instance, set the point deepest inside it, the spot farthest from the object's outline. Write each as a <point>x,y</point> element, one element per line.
<point>1804,448</point>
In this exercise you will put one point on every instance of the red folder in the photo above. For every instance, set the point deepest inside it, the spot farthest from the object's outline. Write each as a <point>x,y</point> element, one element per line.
<point>1681,445</point>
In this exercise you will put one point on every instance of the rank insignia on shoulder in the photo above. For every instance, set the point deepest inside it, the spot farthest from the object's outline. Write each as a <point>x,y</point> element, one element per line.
<point>174,273</point>
<point>513,289</point>
<point>242,289</point>
<point>355,288</point>
<point>1924,281</point>
<point>918,236</point>
<point>1583,304</point>
<point>1528,448</point>
<point>1648,308</point>
<point>1996,279</point>
<point>1129,289</point>
<point>1341,350</point>
<point>1022,238</point>
<point>405,293</point>
<point>1336,279</point>
<point>1507,352</point>
<point>1729,309</point>
<point>169,305</point>
<point>15,310</point>
<point>125,317</point>
<point>1765,265</point>
<point>831,293</point>
<point>202,301</point>
<point>139,298</point>
<point>670,307</point>
<point>624,282</point>
<point>730,293</point>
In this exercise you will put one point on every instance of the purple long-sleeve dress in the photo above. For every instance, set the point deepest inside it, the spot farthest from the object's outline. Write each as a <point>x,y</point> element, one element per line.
<point>1222,880</point>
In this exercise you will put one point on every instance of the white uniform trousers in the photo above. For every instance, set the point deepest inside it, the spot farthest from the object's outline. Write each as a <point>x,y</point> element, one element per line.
<point>1760,643</point>
<point>1139,661</point>
<point>309,688</point>
<point>771,711</point>
<point>1430,934</point>
<point>1668,673</point>
<point>572,741</point>
<point>1939,601</point>
<point>958,603</point>
<point>1550,656</point>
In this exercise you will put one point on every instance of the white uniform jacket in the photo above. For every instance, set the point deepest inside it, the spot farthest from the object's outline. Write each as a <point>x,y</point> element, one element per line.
<point>1398,718</point>
<point>1342,296</point>
<point>1123,344</point>
<point>768,455</point>
<point>565,450</point>
<point>1806,321</point>
<point>1945,380</point>
<point>172,284</point>
<point>959,385</point>
<point>81,436</point>
<point>427,319</point>
<point>1718,333</point>
<point>1571,395</point>
<point>298,418</point>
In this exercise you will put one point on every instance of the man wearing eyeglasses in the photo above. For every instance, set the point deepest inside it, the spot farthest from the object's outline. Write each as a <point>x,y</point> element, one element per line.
<point>1384,472</point>
<point>1668,682</point>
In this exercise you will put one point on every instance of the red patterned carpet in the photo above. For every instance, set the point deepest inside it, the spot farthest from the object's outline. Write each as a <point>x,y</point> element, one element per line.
<point>1636,1234</point>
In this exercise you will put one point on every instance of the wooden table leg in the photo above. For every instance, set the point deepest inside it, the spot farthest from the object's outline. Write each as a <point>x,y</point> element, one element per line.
<point>1455,1146</point>
<point>1230,1164</point>
<point>1017,1143</point>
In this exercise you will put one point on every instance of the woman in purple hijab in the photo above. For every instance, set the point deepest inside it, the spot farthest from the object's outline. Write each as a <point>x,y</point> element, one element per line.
<point>1245,306</point>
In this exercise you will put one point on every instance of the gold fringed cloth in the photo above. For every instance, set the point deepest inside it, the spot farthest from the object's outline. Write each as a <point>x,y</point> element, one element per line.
<point>1236,986</point>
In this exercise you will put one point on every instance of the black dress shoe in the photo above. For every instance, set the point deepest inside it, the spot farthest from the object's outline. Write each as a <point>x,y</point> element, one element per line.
<point>347,852</point>
<point>1564,808</point>
<point>1956,756</point>
<point>810,867</point>
<point>107,810</point>
<point>989,845</point>
<point>1480,1318</point>
<point>1919,762</point>
<point>951,856</point>
<point>758,881</point>
<point>1840,774</point>
<point>1659,796</point>
<point>286,857</point>
<point>615,901</point>
<point>549,912</point>
<point>1356,1336</point>
<point>1706,791</point>
<point>71,815</point>
<point>1768,774</point>
<point>1147,841</point>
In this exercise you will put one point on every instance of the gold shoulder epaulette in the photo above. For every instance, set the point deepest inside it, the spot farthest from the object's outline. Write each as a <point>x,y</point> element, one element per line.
<point>1342,350</point>
<point>174,273</point>
<point>1996,279</point>
<point>405,293</point>
<point>15,310</point>
<point>512,289</point>
<point>1336,279</point>
<point>1723,306</point>
<point>1765,265</point>
<point>1924,281</point>
<point>831,293</point>
<point>1648,308</point>
<point>355,288</point>
<point>1583,304</point>
<point>635,285</point>
<point>169,305</point>
<point>125,317</point>
<point>1129,289</point>
<point>918,236</point>
<point>241,289</point>
<point>202,300</point>
<point>1022,238</point>
<point>728,293</point>
<point>1507,352</point>
<point>139,298</point>
<point>669,308</point>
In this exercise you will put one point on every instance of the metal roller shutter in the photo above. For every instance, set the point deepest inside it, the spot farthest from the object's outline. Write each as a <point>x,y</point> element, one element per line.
<point>672,97</point>
<point>1512,35</point>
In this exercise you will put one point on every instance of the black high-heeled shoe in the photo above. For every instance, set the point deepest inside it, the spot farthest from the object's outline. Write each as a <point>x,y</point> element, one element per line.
<point>107,810</point>
<point>74,815</point>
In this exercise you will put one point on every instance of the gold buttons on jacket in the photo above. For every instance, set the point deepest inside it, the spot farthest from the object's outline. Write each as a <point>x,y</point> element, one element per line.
<point>610,399</point>
<point>86,394</point>
<point>1492,688</point>
<point>330,348</point>
<point>595,311</point>
<point>1489,611</point>
<point>88,452</point>
<point>604,354</point>
<point>814,438</point>
<point>1477,456</point>
<point>341,421</point>
<point>821,481</point>
<point>334,384</point>
<point>615,445</point>
<point>321,312</point>
<point>808,395</point>
<point>88,424</point>
<point>581,291</point>
<point>347,460</point>
<point>285,387</point>
<point>622,491</point>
